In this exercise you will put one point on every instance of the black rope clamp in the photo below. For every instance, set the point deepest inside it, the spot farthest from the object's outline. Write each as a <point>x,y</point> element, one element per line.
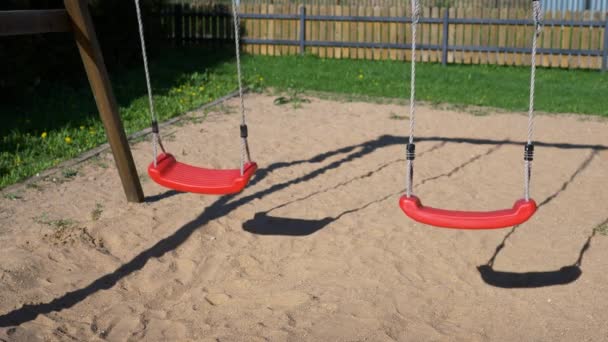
<point>155,127</point>
<point>410,153</point>
<point>529,152</point>
<point>244,131</point>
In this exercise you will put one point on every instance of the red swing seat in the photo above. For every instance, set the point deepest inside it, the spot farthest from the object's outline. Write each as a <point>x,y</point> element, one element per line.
<point>186,178</point>
<point>521,211</point>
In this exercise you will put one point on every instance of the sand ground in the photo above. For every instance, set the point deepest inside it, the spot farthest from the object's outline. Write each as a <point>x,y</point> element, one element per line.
<point>316,248</point>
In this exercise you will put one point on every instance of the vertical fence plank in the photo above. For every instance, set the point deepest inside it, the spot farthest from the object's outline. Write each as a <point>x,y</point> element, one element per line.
<point>385,33</point>
<point>186,20</point>
<point>309,26</point>
<point>331,30</point>
<point>393,32</point>
<point>401,32</point>
<point>360,31</point>
<point>369,31</point>
<point>377,33</point>
<point>452,36</point>
<point>434,36</point>
<point>255,6</point>
<point>525,33</point>
<point>467,36</point>
<point>484,36</point>
<point>565,41</point>
<point>495,38</point>
<point>459,36</point>
<point>501,36</point>
<point>576,40</point>
<point>271,29</point>
<point>278,29</point>
<point>315,26</point>
<point>444,36</point>
<point>476,32</point>
<point>264,27</point>
<point>424,34</point>
<point>285,28</point>
<point>352,29</point>
<point>304,32</point>
<point>294,27</point>
<point>585,39</point>
<point>596,41</point>
<point>323,30</point>
<point>555,42</point>
<point>509,57</point>
<point>338,52</point>
<point>346,34</point>
<point>248,24</point>
<point>178,20</point>
<point>204,21</point>
<point>545,42</point>
<point>605,46</point>
<point>247,32</point>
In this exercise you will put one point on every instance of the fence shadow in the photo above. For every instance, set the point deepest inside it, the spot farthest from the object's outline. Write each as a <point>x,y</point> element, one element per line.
<point>221,207</point>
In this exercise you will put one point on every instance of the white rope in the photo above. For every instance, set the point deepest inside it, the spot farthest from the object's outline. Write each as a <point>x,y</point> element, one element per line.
<point>415,18</point>
<point>245,154</point>
<point>537,17</point>
<point>410,163</point>
<point>155,137</point>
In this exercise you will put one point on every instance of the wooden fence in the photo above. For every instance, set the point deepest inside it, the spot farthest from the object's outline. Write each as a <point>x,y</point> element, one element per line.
<point>463,35</point>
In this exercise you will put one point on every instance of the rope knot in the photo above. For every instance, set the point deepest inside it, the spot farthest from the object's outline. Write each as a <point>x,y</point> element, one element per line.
<point>537,16</point>
<point>415,11</point>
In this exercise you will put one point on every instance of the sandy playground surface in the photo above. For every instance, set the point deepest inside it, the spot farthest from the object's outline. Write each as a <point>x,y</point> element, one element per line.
<point>317,249</point>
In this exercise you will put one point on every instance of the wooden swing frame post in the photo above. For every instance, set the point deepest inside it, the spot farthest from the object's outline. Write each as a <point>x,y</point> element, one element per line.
<point>76,18</point>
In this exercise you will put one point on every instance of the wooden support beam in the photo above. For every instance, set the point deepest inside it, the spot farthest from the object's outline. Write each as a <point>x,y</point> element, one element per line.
<point>13,23</point>
<point>86,39</point>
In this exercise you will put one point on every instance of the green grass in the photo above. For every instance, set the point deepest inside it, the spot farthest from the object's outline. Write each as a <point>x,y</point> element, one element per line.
<point>557,91</point>
<point>55,122</point>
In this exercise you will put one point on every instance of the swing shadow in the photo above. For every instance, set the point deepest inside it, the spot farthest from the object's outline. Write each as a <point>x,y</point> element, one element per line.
<point>162,196</point>
<point>562,276</point>
<point>263,224</point>
<point>221,207</point>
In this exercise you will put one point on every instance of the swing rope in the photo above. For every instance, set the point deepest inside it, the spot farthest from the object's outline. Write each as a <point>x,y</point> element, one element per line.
<point>156,140</point>
<point>529,147</point>
<point>411,148</point>
<point>245,153</point>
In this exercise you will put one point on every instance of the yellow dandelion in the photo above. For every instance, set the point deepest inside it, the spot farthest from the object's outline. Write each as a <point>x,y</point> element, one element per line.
<point>92,131</point>
<point>360,76</point>
<point>43,135</point>
<point>261,79</point>
<point>82,128</point>
<point>68,140</point>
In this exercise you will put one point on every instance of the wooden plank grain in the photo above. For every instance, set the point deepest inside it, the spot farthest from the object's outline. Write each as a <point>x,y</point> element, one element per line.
<point>92,58</point>
<point>13,23</point>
